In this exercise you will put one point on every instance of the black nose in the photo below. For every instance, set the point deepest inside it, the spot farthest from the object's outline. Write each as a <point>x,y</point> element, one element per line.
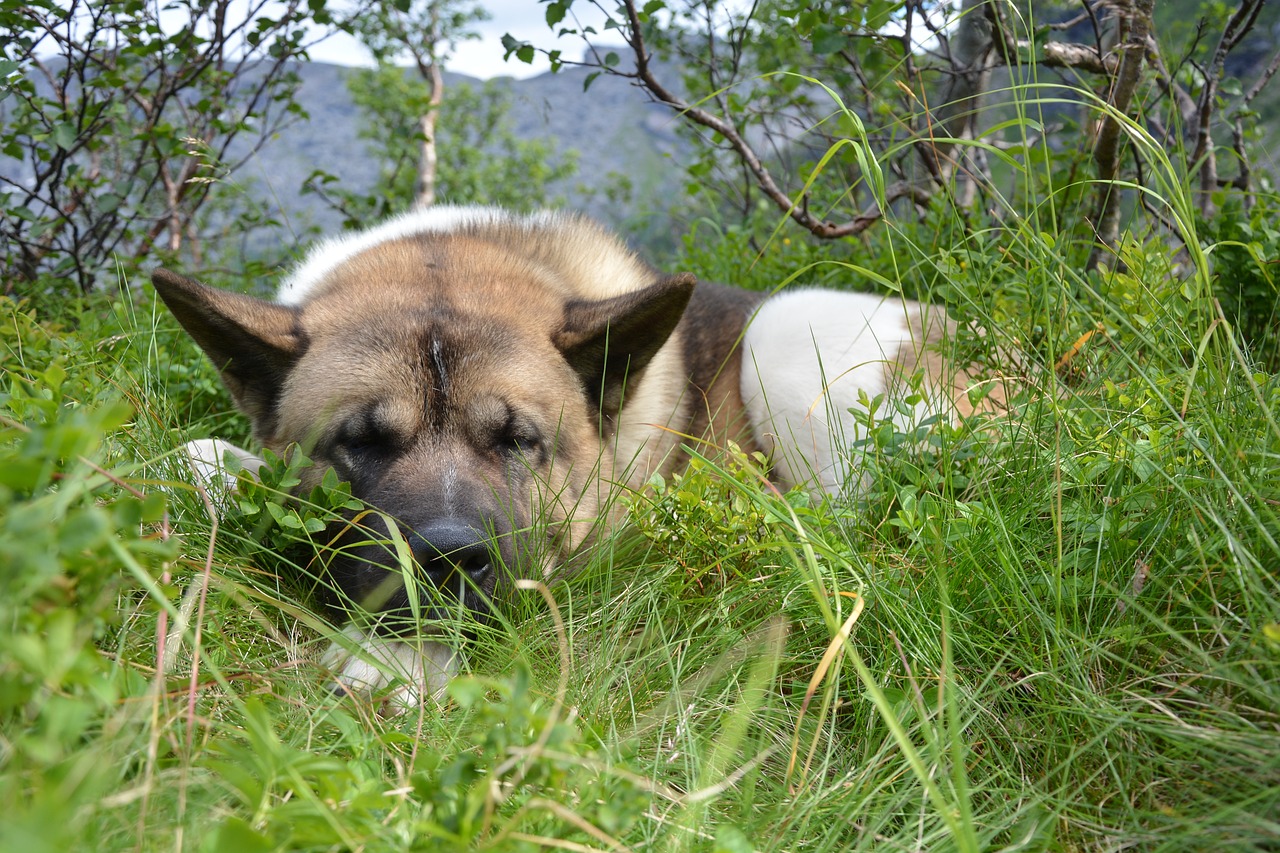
<point>442,547</point>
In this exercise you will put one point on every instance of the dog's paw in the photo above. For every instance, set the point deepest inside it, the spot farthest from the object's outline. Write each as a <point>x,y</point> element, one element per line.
<point>420,668</point>
<point>207,457</point>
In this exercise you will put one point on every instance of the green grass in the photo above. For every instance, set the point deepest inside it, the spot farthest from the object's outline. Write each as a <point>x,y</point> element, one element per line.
<point>1053,629</point>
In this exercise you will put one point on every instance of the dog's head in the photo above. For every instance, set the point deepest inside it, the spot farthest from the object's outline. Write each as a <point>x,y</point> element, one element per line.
<point>464,394</point>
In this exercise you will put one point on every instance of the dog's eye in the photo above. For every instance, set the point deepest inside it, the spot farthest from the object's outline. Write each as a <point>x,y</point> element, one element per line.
<point>518,437</point>
<point>359,442</point>
<point>364,438</point>
<point>522,444</point>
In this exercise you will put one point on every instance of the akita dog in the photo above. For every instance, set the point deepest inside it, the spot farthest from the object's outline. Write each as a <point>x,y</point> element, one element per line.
<point>493,380</point>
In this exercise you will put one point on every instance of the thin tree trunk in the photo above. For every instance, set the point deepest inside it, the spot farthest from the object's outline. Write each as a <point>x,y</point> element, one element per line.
<point>429,68</point>
<point>1106,151</point>
<point>429,160</point>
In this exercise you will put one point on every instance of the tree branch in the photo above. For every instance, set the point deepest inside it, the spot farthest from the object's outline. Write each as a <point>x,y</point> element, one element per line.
<point>1236,29</point>
<point>796,209</point>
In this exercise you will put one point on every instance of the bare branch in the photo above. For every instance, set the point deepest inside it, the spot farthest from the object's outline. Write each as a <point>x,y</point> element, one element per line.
<point>1258,85</point>
<point>1051,54</point>
<point>1204,155</point>
<point>1081,57</point>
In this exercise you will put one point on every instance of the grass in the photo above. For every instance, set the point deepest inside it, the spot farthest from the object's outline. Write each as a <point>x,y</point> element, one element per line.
<point>1054,629</point>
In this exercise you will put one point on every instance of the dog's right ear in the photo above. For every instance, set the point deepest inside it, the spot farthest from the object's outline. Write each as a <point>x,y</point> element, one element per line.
<point>604,340</point>
<point>252,342</point>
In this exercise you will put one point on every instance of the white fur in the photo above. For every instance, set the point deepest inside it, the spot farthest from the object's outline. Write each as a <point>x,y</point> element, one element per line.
<point>806,355</point>
<point>207,458</point>
<point>423,667</point>
<point>329,254</point>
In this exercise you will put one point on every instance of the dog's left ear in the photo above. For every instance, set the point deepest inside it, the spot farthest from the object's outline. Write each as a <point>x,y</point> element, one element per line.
<point>607,340</point>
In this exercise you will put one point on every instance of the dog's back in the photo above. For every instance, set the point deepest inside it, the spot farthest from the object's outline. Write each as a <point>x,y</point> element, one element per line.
<point>813,356</point>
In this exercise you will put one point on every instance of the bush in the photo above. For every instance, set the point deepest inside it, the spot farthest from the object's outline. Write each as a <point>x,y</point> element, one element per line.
<point>1245,243</point>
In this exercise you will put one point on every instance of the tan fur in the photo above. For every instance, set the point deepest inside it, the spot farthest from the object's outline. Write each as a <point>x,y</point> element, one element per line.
<point>929,326</point>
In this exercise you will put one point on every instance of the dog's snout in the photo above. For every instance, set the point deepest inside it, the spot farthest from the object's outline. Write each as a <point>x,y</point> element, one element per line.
<point>442,547</point>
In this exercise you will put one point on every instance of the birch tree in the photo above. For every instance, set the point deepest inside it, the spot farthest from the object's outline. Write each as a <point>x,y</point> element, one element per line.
<point>426,33</point>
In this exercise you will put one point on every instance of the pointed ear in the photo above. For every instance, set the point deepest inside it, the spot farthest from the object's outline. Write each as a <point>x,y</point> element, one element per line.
<point>606,340</point>
<point>252,342</point>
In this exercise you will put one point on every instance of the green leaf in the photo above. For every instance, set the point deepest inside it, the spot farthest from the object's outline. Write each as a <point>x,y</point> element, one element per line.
<point>153,507</point>
<point>522,50</point>
<point>236,836</point>
<point>730,839</point>
<point>329,480</point>
<point>277,512</point>
<point>828,40</point>
<point>466,691</point>
<point>64,135</point>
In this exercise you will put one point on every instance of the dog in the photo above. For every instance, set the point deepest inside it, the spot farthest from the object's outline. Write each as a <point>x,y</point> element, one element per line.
<point>491,381</point>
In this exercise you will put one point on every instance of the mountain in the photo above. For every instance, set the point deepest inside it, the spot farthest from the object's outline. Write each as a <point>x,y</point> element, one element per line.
<point>612,126</point>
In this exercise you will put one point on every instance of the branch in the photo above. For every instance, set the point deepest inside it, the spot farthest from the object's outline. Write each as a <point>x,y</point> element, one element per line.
<point>1236,29</point>
<point>1051,54</point>
<point>797,210</point>
<point>1241,180</point>
<point>1261,82</point>
<point>1081,57</point>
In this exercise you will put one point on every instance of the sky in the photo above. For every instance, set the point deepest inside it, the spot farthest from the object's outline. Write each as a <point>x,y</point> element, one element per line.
<point>524,19</point>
